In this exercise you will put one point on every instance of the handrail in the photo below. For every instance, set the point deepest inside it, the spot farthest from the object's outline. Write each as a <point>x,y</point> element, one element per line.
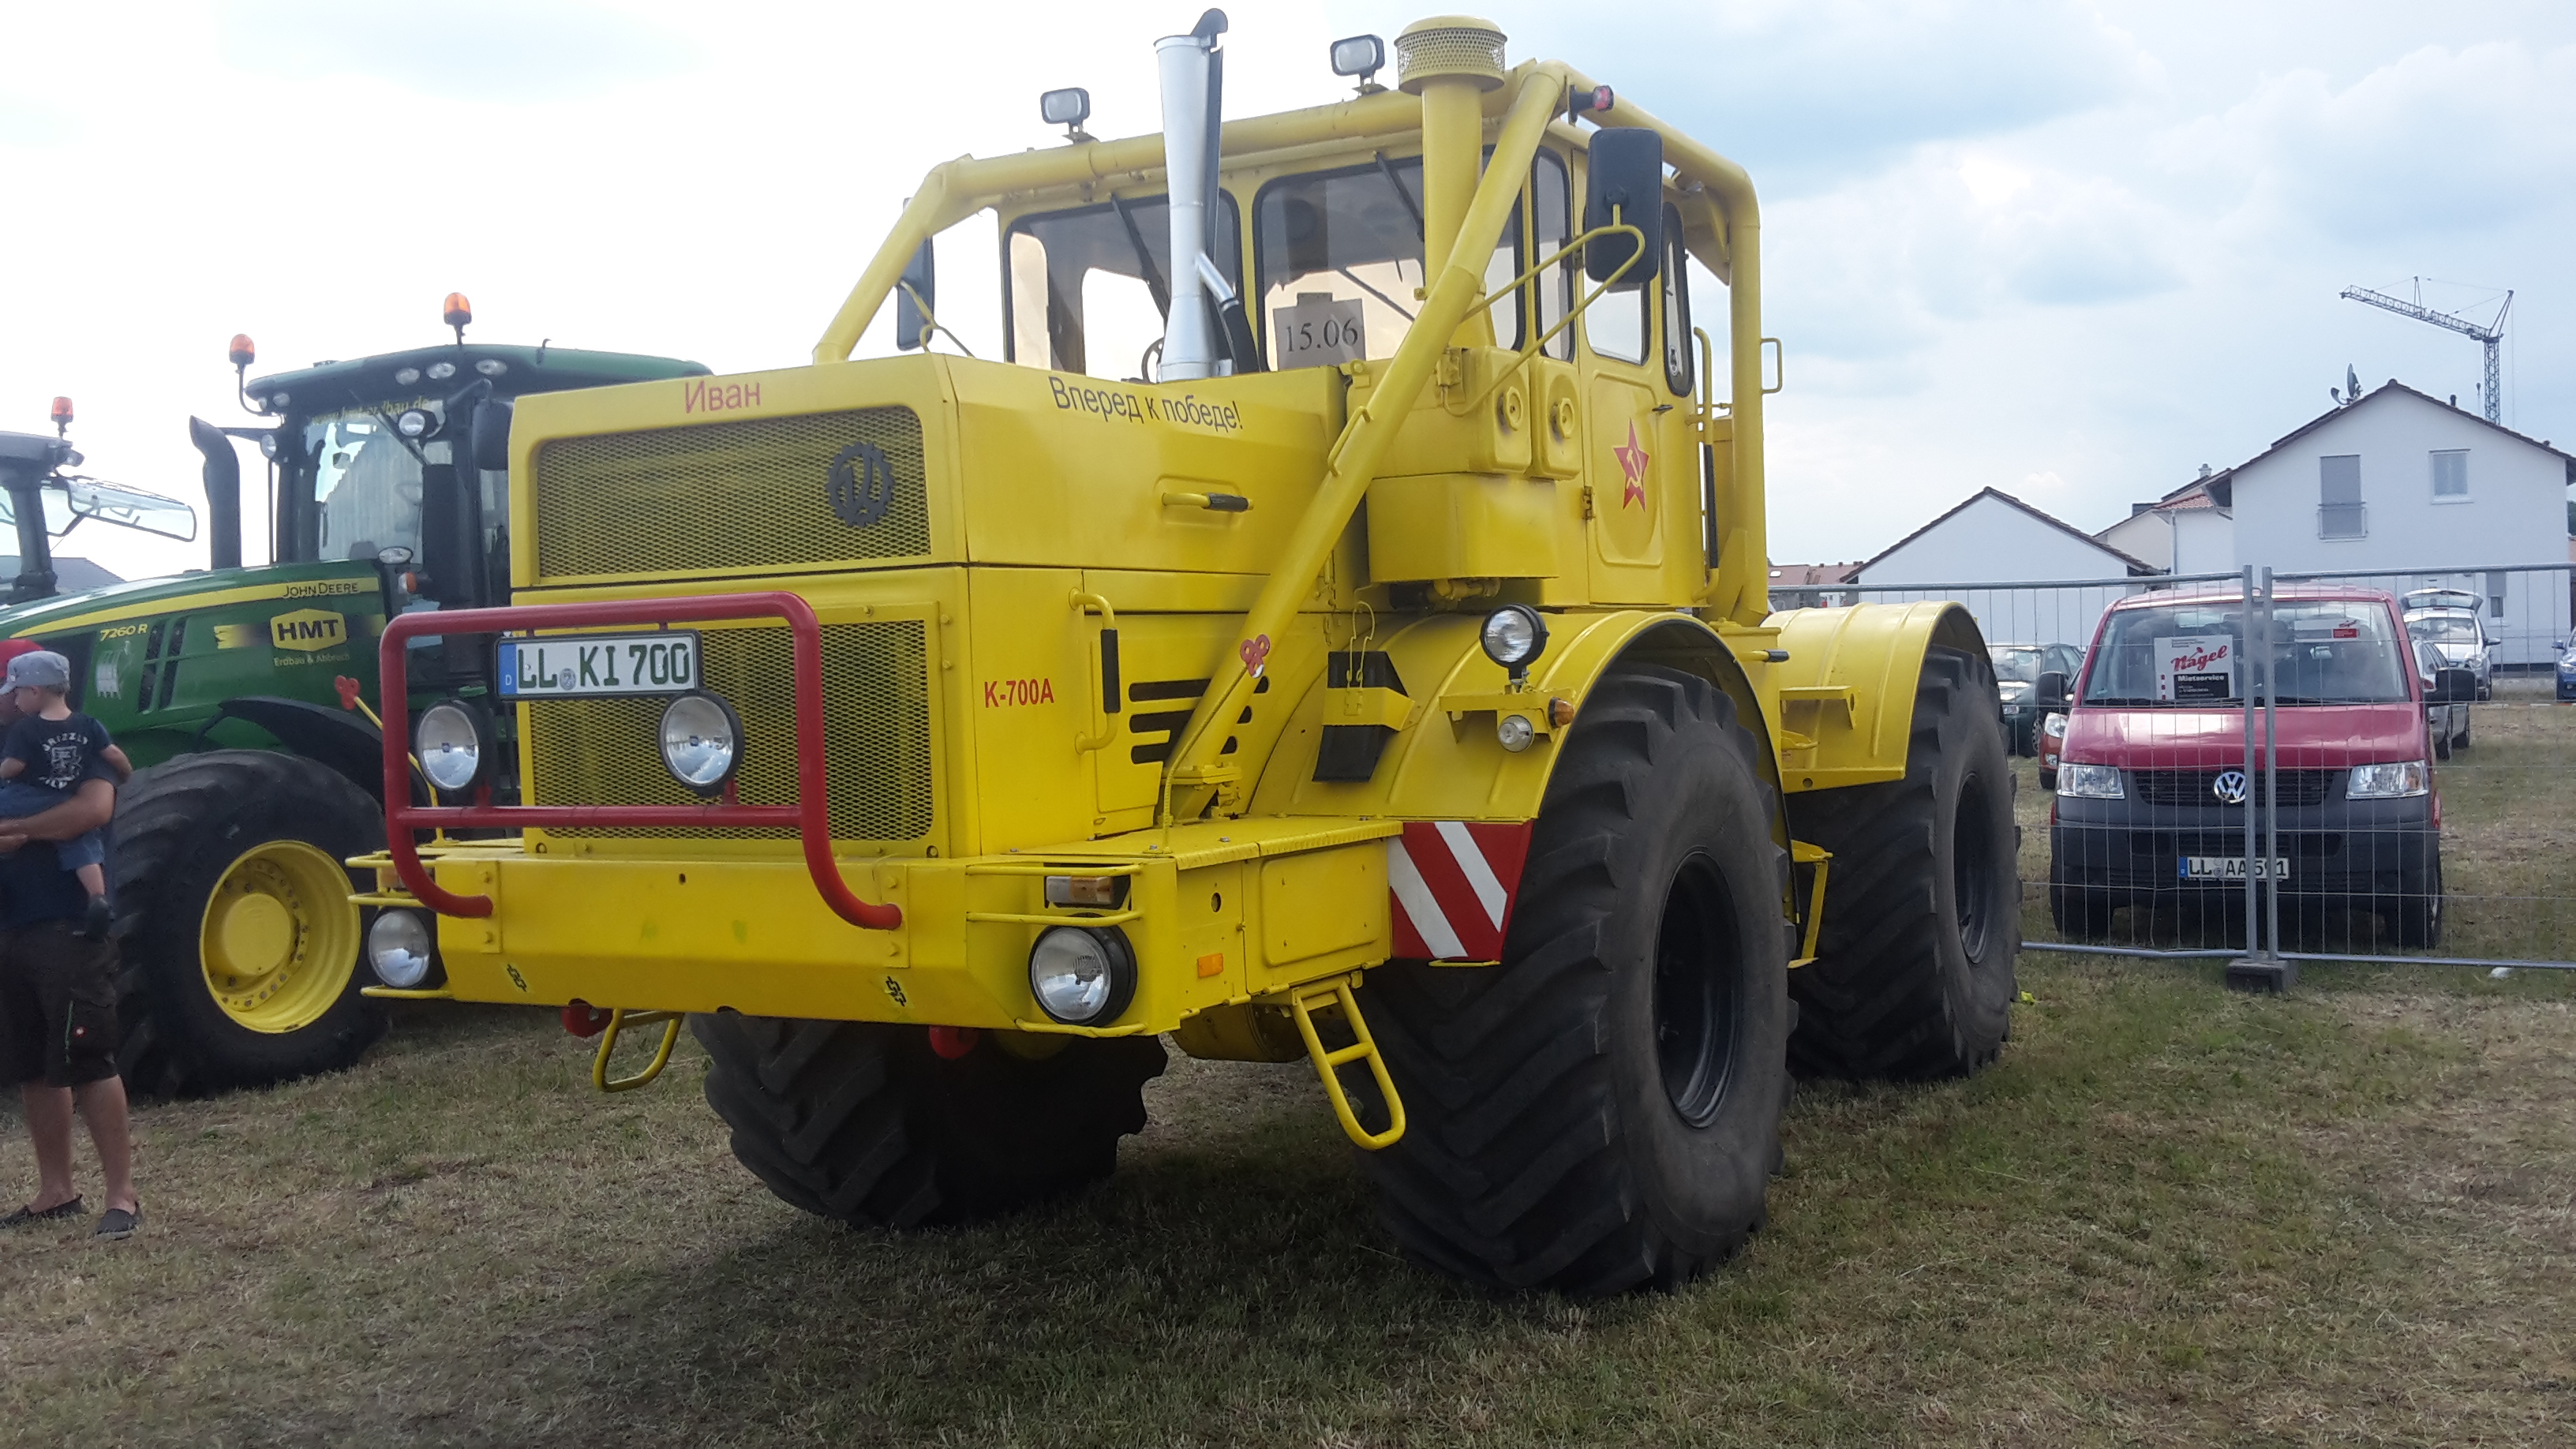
<point>810,816</point>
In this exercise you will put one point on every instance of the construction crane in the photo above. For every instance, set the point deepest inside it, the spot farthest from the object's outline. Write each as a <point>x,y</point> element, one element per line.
<point>2491,334</point>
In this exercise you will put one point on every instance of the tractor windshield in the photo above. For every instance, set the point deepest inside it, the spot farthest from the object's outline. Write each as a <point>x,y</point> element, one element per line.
<point>366,483</point>
<point>1089,285</point>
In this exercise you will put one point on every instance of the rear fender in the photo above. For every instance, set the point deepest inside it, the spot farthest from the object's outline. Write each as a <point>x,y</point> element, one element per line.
<point>1847,688</point>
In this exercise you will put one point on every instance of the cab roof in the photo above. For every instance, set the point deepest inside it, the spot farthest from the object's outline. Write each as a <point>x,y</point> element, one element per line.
<point>368,381</point>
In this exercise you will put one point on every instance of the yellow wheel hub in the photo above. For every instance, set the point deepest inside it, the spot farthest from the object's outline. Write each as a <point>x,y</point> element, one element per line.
<point>280,937</point>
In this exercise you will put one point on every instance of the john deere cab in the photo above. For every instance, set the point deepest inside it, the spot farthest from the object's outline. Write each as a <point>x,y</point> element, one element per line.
<point>1334,628</point>
<point>226,685</point>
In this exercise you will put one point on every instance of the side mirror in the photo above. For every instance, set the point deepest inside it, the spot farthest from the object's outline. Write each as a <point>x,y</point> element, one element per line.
<point>1625,175</point>
<point>2052,688</point>
<point>490,435</point>
<point>916,298</point>
<point>2454,686</point>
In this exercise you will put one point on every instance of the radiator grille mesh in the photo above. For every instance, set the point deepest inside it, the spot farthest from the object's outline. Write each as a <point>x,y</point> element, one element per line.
<point>876,715</point>
<point>727,497</point>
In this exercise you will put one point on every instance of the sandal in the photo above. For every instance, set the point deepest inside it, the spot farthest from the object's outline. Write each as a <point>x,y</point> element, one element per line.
<point>116,1223</point>
<point>27,1215</point>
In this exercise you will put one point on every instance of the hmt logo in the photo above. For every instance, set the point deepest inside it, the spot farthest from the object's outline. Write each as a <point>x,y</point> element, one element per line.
<point>308,630</point>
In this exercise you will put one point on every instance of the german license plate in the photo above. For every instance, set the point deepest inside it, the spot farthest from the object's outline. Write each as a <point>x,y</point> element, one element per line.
<point>2232,867</point>
<point>592,666</point>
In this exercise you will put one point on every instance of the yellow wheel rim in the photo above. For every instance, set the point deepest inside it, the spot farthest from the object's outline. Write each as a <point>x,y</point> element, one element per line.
<point>280,936</point>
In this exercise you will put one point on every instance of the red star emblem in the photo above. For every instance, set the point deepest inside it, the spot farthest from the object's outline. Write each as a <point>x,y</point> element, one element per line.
<point>1632,465</point>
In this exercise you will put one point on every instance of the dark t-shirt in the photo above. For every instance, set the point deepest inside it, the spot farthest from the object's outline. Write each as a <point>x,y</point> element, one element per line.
<point>56,753</point>
<point>34,887</point>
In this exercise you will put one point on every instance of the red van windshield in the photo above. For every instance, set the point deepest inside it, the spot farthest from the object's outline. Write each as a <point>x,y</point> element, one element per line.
<point>2324,651</point>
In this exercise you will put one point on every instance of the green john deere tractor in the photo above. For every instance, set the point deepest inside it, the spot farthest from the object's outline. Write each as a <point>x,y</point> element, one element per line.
<point>388,490</point>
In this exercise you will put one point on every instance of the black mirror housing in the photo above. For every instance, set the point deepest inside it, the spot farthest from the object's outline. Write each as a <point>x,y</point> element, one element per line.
<point>2454,686</point>
<point>2053,687</point>
<point>489,435</point>
<point>916,299</point>
<point>1624,182</point>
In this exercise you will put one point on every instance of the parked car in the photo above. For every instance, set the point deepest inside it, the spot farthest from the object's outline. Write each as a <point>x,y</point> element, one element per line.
<point>2415,599</point>
<point>2446,721</point>
<point>2018,668</point>
<point>2153,787</point>
<point>2461,637</point>
<point>2567,669</point>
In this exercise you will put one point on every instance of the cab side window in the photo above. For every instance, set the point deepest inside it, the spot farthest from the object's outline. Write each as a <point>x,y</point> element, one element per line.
<point>1619,325</point>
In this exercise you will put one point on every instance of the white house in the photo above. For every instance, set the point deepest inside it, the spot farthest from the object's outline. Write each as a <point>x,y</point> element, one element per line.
<point>2395,489</point>
<point>1988,544</point>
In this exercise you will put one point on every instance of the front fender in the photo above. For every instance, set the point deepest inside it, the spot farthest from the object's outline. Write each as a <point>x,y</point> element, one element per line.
<point>1446,763</point>
<point>1847,688</point>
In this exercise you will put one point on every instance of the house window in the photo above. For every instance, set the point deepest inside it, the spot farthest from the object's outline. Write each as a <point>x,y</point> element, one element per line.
<point>2451,473</point>
<point>2339,510</point>
<point>2496,591</point>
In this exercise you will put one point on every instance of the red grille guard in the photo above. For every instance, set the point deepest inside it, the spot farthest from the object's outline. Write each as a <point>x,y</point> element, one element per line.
<point>810,816</point>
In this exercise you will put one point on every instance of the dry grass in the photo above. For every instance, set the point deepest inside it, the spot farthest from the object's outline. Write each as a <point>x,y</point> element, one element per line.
<point>2172,1215</point>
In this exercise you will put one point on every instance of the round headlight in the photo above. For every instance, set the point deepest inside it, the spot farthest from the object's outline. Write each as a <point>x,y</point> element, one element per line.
<point>1513,636</point>
<point>415,423</point>
<point>454,744</point>
<point>398,949</point>
<point>1081,975</point>
<point>701,741</point>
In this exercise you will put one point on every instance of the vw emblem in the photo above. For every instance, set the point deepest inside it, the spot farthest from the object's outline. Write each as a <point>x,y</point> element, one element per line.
<point>861,485</point>
<point>2229,787</point>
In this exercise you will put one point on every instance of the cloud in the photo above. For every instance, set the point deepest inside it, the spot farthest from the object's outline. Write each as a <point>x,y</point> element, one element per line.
<point>2439,140</point>
<point>464,49</point>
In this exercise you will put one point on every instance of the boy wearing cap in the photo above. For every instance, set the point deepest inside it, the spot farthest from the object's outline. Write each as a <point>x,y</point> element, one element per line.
<point>45,756</point>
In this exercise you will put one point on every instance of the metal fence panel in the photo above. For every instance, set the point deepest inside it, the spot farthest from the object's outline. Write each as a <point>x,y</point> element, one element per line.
<point>2258,794</point>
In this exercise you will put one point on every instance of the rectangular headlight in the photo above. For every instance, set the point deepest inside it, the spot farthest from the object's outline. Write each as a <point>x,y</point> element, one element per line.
<point>2090,782</point>
<point>2387,782</point>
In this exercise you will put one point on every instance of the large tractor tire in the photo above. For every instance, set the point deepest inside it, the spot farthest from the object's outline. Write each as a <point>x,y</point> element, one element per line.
<point>240,945</point>
<point>1601,1111</point>
<point>1913,976</point>
<point>866,1123</point>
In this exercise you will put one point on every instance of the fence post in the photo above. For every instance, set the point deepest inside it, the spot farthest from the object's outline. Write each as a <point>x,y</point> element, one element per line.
<point>2262,967</point>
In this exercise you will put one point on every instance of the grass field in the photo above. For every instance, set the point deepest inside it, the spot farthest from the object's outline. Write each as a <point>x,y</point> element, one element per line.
<point>2171,1215</point>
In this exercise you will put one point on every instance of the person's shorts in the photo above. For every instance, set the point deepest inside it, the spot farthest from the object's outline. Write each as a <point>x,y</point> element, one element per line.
<point>57,1006</point>
<point>20,799</point>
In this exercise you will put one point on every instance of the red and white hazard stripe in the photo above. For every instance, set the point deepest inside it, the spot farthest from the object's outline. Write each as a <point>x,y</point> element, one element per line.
<point>1454,883</point>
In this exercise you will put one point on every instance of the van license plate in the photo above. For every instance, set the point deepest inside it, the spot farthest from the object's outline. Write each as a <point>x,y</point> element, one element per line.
<point>576,666</point>
<point>2232,867</point>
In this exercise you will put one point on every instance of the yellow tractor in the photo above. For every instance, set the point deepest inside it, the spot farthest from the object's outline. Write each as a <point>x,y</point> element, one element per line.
<point>1334,629</point>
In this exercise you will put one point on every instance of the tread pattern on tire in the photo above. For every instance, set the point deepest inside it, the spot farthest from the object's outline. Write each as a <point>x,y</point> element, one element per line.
<point>862,1122</point>
<point>1877,1002</point>
<point>160,815</point>
<point>1510,1174</point>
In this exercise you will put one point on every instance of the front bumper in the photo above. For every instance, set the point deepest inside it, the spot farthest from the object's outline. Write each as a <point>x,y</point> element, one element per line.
<point>2340,850</point>
<point>1217,913</point>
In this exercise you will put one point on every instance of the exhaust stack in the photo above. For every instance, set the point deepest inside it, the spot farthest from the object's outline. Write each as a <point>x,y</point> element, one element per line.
<point>1193,80</point>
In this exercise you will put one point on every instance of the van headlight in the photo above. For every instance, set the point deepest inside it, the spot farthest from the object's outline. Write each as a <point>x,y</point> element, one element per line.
<point>399,949</point>
<point>2392,781</point>
<point>1082,975</point>
<point>2090,782</point>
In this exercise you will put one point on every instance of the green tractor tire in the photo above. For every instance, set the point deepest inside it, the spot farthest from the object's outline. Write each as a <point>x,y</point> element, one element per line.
<point>240,946</point>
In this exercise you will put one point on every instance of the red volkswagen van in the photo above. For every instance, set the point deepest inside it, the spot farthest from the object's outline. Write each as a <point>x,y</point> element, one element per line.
<point>2153,788</point>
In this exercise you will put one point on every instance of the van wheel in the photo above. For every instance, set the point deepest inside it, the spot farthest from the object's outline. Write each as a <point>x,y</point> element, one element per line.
<point>2081,915</point>
<point>2442,744</point>
<point>2418,917</point>
<point>1914,969</point>
<point>1601,1111</point>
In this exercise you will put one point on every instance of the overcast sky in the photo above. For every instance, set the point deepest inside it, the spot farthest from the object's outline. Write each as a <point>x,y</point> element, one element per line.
<point>2068,250</point>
